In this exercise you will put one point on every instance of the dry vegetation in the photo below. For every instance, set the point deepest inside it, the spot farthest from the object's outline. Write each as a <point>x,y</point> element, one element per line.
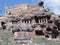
<point>6,38</point>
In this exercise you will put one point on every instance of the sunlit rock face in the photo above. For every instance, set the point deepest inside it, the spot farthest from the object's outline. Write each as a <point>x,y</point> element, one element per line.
<point>32,19</point>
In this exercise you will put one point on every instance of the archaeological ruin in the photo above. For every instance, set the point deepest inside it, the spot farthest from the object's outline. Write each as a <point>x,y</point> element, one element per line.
<point>26,20</point>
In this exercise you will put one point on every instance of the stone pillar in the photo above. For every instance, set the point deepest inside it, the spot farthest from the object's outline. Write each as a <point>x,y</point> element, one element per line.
<point>20,21</point>
<point>46,20</point>
<point>23,21</point>
<point>33,21</point>
<point>39,20</point>
<point>29,21</point>
<point>43,20</point>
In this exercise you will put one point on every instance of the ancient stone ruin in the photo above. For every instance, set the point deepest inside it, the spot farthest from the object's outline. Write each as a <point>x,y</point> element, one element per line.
<point>25,21</point>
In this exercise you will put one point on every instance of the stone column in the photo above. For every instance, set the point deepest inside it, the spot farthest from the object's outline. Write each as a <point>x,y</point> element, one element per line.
<point>39,20</point>
<point>46,20</point>
<point>24,21</point>
<point>33,21</point>
<point>43,20</point>
<point>20,21</point>
<point>29,21</point>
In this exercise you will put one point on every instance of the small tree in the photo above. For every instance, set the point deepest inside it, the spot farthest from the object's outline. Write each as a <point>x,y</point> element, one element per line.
<point>41,3</point>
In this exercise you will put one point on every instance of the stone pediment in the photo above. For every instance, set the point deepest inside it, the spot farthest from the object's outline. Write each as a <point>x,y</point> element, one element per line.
<point>21,6</point>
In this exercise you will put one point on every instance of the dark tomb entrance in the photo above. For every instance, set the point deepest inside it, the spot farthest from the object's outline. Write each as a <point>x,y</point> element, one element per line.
<point>47,36</point>
<point>54,33</point>
<point>48,29</point>
<point>17,30</point>
<point>3,25</point>
<point>50,21</point>
<point>48,17</point>
<point>36,19</point>
<point>39,32</point>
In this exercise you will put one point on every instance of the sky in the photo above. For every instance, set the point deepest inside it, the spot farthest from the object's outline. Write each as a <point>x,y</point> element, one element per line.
<point>53,5</point>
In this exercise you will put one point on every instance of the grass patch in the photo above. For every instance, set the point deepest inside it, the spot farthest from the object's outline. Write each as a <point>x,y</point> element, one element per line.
<point>41,40</point>
<point>6,38</point>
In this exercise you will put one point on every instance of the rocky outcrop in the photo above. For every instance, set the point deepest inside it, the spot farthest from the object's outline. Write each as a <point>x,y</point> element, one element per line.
<point>31,18</point>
